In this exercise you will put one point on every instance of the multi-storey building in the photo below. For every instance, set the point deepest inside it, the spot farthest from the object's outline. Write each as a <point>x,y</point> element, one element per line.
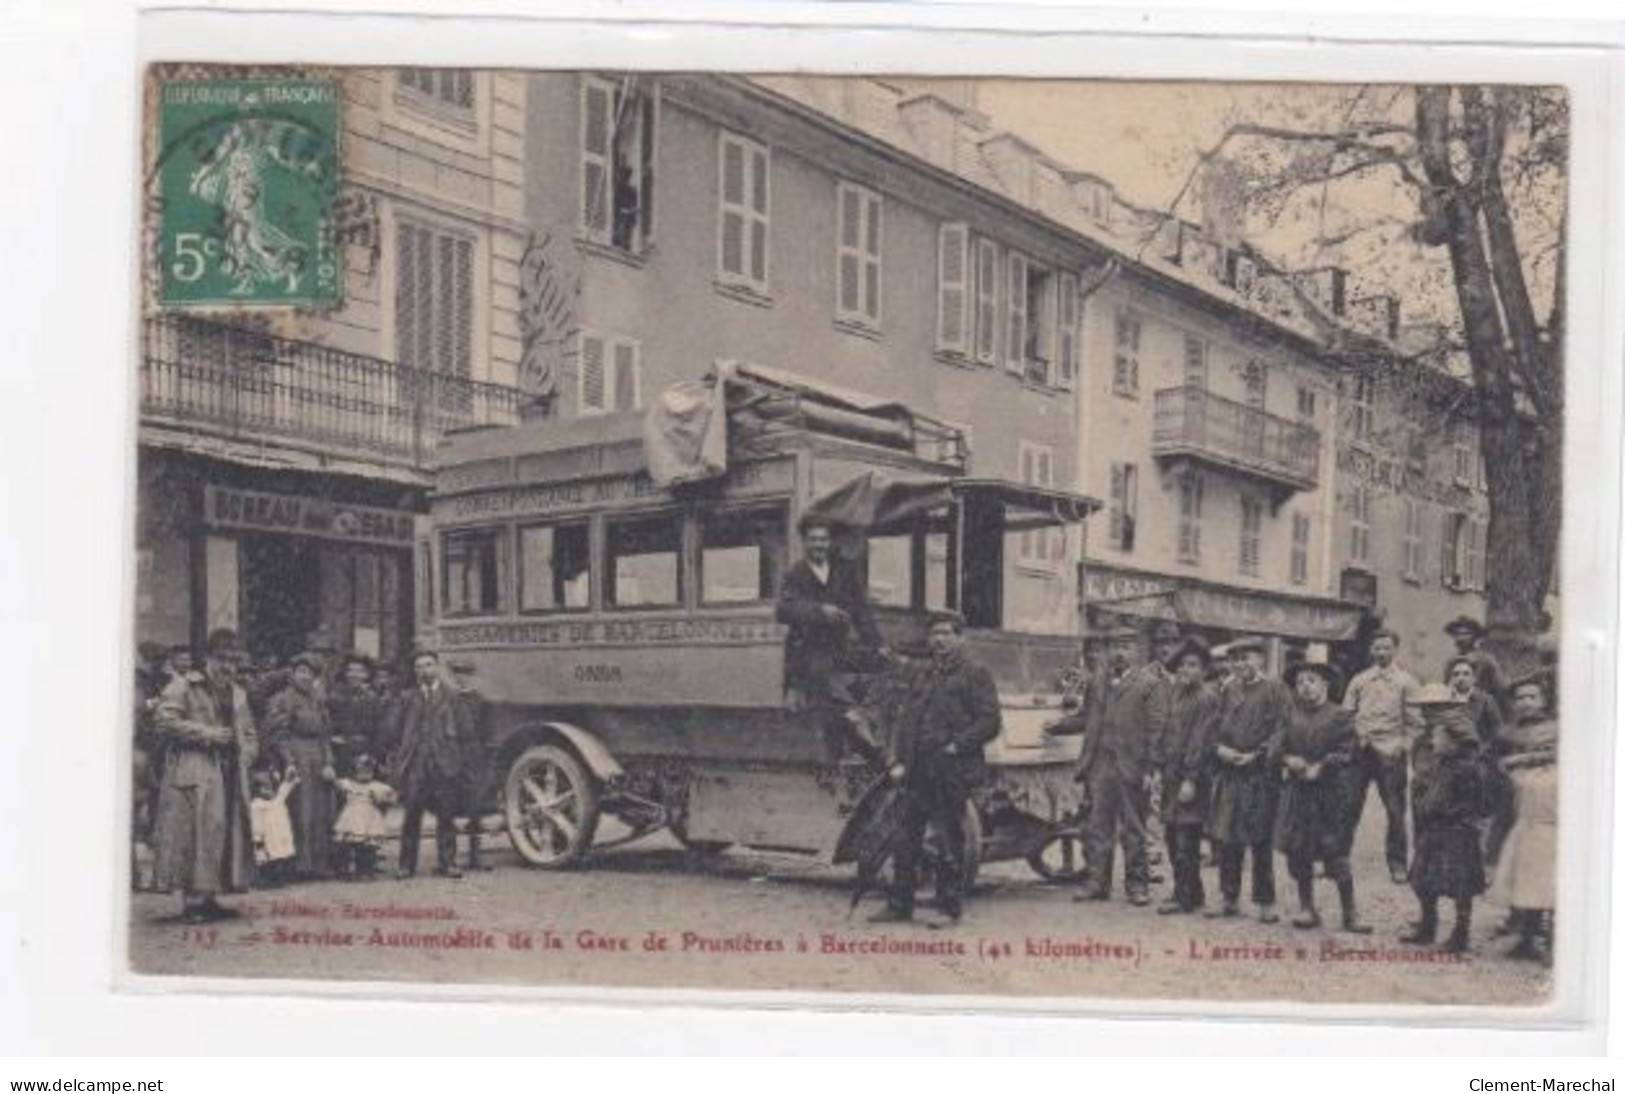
<point>283,456</point>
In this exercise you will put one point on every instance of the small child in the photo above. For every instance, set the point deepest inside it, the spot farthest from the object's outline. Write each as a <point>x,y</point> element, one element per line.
<point>360,828</point>
<point>1449,803</point>
<point>271,826</point>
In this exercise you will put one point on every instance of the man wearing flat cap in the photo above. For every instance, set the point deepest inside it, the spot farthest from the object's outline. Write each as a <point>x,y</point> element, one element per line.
<point>951,711</point>
<point>201,830</point>
<point>824,604</point>
<point>1181,753</point>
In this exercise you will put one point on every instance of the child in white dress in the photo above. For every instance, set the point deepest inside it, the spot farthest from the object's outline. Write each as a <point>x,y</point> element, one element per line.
<point>360,829</point>
<point>270,824</point>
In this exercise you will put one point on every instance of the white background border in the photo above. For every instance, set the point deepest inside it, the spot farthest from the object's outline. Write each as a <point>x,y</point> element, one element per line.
<point>68,490</point>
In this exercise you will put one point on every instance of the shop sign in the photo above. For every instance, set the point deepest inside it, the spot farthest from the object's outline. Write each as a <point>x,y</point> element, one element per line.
<point>293,514</point>
<point>1358,587</point>
<point>1240,611</point>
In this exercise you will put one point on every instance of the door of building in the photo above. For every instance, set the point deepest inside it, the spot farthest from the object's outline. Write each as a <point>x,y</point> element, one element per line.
<point>280,583</point>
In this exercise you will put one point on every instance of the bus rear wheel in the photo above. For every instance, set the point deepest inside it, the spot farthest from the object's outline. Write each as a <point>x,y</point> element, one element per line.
<point>551,805</point>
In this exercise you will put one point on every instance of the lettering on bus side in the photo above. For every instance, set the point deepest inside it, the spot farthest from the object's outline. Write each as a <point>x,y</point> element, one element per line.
<point>598,674</point>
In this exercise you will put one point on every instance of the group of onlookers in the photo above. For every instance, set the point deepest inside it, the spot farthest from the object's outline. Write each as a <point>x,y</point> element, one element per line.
<point>249,771</point>
<point>1258,766</point>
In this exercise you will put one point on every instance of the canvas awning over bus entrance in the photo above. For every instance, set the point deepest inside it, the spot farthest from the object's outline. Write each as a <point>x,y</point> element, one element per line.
<point>879,502</point>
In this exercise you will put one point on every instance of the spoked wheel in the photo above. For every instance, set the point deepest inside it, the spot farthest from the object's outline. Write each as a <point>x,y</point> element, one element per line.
<point>1059,858</point>
<point>552,807</point>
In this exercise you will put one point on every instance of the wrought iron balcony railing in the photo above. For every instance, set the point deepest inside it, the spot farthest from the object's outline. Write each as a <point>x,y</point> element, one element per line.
<point>248,385</point>
<point>1192,423</point>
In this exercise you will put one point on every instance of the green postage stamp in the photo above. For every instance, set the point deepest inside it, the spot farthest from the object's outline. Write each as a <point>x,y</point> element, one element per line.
<point>247,174</point>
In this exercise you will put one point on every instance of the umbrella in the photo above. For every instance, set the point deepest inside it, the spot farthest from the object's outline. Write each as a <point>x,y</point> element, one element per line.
<point>870,836</point>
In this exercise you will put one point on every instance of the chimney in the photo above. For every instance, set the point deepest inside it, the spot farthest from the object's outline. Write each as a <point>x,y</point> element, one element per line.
<point>933,123</point>
<point>1093,194</point>
<point>1014,162</point>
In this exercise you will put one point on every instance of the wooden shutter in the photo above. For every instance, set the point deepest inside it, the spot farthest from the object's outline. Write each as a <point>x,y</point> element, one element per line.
<point>592,373</point>
<point>1066,329</point>
<point>1195,362</point>
<point>462,293</point>
<point>732,169</point>
<point>848,253</point>
<point>596,103</point>
<point>987,301</point>
<point>406,289</point>
<point>952,269</point>
<point>1119,496</point>
<point>871,258</point>
<point>625,386</point>
<point>758,228</point>
<point>1016,314</point>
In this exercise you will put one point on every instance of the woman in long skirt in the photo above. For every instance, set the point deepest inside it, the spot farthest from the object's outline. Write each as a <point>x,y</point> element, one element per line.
<point>297,724</point>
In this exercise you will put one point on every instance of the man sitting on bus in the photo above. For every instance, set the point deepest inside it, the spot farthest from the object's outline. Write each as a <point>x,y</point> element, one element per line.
<point>826,607</point>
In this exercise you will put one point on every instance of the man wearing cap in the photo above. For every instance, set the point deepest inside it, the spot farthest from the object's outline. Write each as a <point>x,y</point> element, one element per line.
<point>1253,712</point>
<point>201,830</point>
<point>1385,722</point>
<point>428,769</point>
<point>950,713</point>
<point>1468,634</point>
<point>1181,754</point>
<point>476,756</point>
<point>824,604</point>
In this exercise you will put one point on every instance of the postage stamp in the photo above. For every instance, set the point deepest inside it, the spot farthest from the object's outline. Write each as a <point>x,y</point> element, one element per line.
<point>247,176</point>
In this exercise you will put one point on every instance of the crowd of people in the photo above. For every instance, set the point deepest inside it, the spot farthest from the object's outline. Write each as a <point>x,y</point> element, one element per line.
<point>254,772</point>
<point>1214,748</point>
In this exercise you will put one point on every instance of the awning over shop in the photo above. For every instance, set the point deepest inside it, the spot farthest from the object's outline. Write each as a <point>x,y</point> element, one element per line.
<point>1205,604</point>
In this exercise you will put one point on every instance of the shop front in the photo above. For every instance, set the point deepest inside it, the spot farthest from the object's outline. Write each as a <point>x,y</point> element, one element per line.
<point>1294,627</point>
<point>284,558</point>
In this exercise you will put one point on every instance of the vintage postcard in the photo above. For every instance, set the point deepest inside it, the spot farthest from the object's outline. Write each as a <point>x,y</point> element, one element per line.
<point>1022,539</point>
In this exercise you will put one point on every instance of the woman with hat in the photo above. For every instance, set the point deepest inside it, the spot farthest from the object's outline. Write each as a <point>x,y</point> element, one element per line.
<point>1181,754</point>
<point>1312,820</point>
<point>297,725</point>
<point>1449,803</point>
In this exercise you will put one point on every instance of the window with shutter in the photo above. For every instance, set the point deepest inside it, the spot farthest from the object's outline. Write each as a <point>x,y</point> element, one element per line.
<point>1252,526</point>
<point>597,97</point>
<point>1413,540</point>
<point>1306,403</point>
<point>618,119</point>
<point>434,310</point>
<point>1364,392</point>
<point>742,255</point>
<point>1038,469</point>
<point>1300,549</point>
<point>1119,508</point>
<point>1015,348</point>
<point>1477,541</point>
<point>1066,330</point>
<point>1195,362</point>
<point>1126,355</point>
<point>1190,517</point>
<point>625,377</point>
<point>953,254</point>
<point>1360,526</point>
<point>987,301</point>
<point>857,256</point>
<point>592,374</point>
<point>444,92</point>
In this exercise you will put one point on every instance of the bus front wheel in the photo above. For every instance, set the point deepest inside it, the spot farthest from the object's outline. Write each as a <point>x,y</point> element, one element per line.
<point>551,804</point>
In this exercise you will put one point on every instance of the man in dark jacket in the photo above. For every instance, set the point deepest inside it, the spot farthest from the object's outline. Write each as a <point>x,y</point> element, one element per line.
<point>1181,753</point>
<point>1128,714</point>
<point>951,712</point>
<point>428,770</point>
<point>823,602</point>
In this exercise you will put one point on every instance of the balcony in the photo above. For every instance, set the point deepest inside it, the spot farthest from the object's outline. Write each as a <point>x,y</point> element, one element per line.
<point>208,378</point>
<point>1191,424</point>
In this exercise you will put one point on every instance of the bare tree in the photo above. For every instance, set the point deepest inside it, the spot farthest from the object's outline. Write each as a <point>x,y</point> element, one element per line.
<point>1481,174</point>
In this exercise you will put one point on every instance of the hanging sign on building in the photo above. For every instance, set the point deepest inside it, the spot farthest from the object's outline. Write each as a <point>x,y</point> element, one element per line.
<point>293,514</point>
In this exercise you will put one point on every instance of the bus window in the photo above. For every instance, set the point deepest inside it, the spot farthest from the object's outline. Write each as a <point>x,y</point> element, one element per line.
<point>936,571</point>
<point>644,562</point>
<point>554,574</point>
<point>891,570</point>
<point>741,554</point>
<point>470,575</point>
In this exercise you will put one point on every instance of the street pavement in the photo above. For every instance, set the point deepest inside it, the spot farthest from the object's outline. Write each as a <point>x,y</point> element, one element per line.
<point>650,914</point>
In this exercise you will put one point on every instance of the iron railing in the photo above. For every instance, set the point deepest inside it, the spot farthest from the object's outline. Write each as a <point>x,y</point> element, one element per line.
<point>245,384</point>
<point>1192,422</point>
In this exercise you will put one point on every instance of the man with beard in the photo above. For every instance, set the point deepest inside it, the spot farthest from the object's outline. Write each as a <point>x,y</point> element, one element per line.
<point>201,830</point>
<point>950,712</point>
<point>823,601</point>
